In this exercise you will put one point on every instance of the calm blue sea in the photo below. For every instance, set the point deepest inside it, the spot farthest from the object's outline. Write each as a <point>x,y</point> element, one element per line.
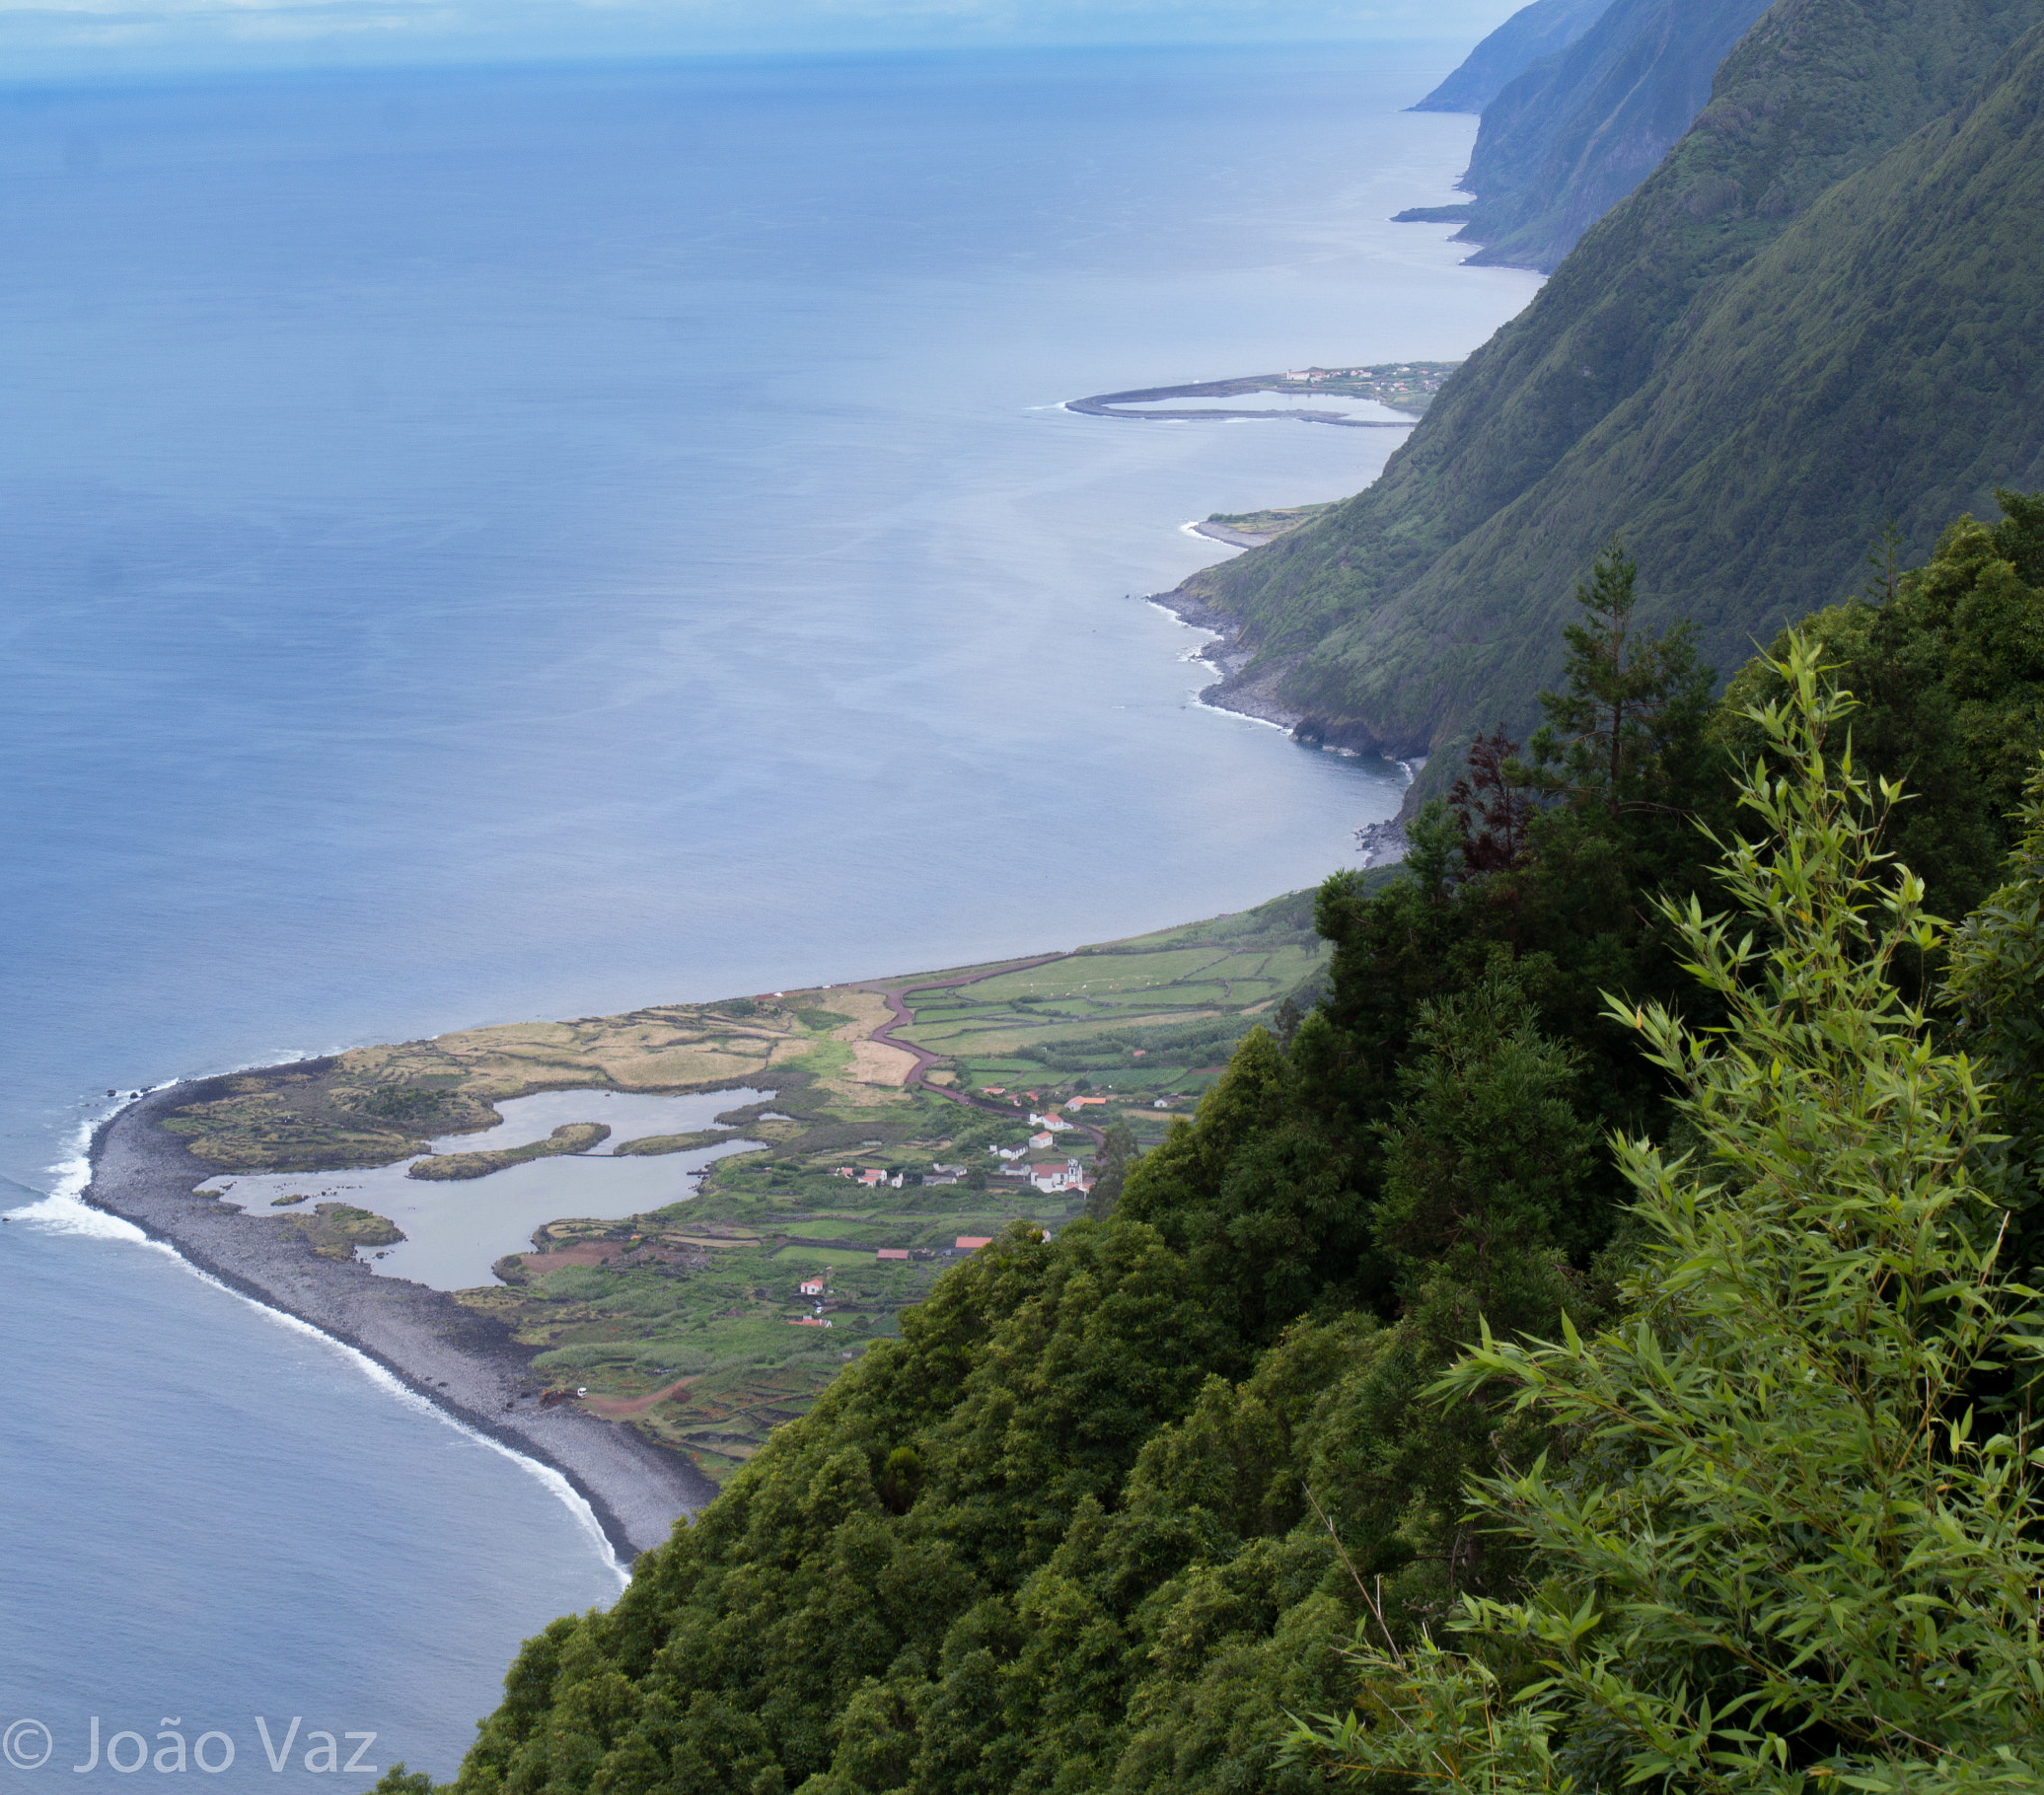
<point>492,544</point>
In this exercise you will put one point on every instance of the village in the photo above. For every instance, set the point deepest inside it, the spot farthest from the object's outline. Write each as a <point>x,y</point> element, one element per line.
<point>1404,386</point>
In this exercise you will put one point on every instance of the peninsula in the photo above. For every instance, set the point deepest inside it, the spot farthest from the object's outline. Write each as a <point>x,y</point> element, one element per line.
<point>644,1356</point>
<point>1408,386</point>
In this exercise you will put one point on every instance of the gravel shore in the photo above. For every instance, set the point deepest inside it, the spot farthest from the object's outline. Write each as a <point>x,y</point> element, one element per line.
<point>1234,690</point>
<point>466,1362</point>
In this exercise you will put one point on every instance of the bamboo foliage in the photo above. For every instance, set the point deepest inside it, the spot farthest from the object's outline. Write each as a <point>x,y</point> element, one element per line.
<point>1784,1547</point>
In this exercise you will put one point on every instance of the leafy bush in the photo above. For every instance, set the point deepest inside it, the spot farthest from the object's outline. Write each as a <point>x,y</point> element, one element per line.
<point>1783,1546</point>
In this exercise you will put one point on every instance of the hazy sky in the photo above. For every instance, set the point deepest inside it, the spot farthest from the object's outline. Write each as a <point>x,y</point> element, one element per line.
<point>83,36</point>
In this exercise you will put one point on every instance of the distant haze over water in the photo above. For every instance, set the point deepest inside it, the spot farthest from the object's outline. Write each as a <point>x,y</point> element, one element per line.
<point>489,544</point>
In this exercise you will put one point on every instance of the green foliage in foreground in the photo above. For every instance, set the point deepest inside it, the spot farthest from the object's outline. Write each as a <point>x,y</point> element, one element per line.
<point>1782,1545</point>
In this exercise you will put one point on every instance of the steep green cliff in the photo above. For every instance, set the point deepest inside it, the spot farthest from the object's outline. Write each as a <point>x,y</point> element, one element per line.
<point>1528,35</point>
<point>1817,315</point>
<point>1578,131</point>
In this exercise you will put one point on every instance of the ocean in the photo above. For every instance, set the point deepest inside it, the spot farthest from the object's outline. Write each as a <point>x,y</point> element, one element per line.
<point>501,543</point>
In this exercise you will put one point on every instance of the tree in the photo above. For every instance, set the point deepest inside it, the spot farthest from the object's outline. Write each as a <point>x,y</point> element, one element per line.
<point>1631,702</point>
<point>1946,664</point>
<point>1781,1551</point>
<point>1110,1167</point>
<point>1485,1159</point>
<point>1996,987</point>
<point>1494,803</point>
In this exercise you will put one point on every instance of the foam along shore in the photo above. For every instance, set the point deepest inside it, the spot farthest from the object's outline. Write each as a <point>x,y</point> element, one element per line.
<point>1223,533</point>
<point>464,1362</point>
<point>1229,691</point>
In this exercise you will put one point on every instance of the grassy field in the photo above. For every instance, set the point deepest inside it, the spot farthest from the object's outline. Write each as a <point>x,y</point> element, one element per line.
<point>1128,1021</point>
<point>571,1137</point>
<point>700,1300</point>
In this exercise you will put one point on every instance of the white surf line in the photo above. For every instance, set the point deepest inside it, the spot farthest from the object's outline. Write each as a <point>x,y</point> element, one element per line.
<point>1240,716</point>
<point>1218,542</point>
<point>1182,623</point>
<point>65,1211</point>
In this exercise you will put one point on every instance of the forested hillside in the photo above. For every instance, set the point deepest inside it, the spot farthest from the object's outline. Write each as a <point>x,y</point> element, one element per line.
<point>1528,35</point>
<point>1817,315</point>
<point>1118,1505</point>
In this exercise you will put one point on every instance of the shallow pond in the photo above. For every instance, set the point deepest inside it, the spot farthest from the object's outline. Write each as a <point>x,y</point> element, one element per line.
<point>454,1232</point>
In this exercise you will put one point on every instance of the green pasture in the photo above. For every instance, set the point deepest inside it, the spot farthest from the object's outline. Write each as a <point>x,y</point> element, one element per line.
<point>821,1255</point>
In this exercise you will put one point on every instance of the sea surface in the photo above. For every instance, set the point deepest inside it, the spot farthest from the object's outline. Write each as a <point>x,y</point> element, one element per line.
<point>491,544</point>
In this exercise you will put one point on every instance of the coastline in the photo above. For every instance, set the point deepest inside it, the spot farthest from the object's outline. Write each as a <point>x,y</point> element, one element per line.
<point>463,1363</point>
<point>1231,692</point>
<point>1221,533</point>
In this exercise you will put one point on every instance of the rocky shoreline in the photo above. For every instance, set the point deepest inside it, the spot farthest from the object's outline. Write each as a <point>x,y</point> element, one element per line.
<point>1231,691</point>
<point>1380,844</point>
<point>465,1363</point>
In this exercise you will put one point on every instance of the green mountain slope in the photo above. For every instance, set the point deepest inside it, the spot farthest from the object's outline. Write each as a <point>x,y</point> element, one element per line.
<point>1529,34</point>
<point>1747,367</point>
<point>1578,131</point>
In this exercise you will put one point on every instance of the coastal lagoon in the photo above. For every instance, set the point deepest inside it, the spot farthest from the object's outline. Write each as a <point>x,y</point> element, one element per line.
<point>455,1231</point>
<point>495,544</point>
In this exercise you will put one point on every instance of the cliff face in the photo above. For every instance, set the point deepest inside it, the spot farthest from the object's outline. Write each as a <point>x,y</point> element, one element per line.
<point>1528,35</point>
<point>1572,136</point>
<point>1818,314</point>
